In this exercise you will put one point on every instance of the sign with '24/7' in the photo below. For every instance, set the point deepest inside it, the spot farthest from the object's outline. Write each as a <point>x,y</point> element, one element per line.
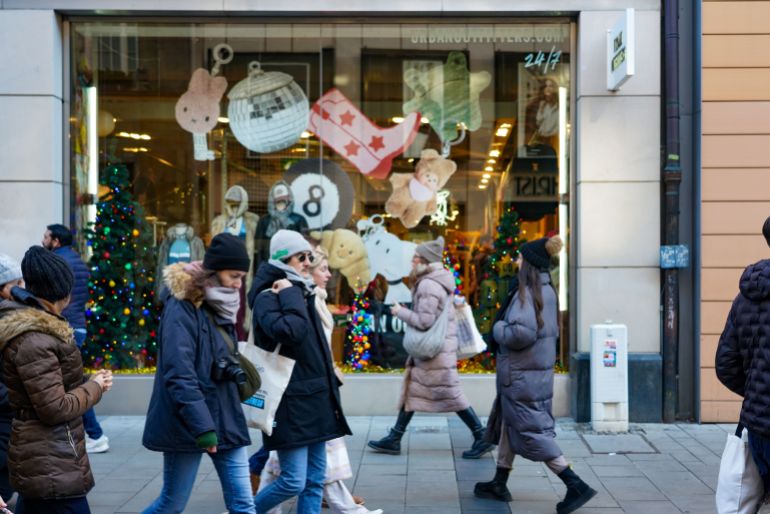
<point>621,51</point>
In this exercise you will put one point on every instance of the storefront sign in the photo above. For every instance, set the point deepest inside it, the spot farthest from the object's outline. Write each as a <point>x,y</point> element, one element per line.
<point>500,34</point>
<point>533,187</point>
<point>621,51</point>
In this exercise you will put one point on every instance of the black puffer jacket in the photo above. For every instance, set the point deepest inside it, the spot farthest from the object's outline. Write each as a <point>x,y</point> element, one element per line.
<point>310,410</point>
<point>743,355</point>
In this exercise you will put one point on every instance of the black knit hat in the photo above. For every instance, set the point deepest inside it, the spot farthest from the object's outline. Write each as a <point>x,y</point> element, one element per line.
<point>539,252</point>
<point>46,275</point>
<point>226,252</point>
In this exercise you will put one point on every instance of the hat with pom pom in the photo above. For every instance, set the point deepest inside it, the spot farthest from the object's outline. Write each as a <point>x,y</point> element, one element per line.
<point>539,252</point>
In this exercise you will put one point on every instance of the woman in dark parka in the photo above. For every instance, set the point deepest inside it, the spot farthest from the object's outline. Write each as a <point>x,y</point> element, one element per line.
<point>195,408</point>
<point>527,335</point>
<point>310,412</point>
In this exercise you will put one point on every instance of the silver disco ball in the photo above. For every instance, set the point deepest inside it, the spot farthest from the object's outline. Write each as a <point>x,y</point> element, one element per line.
<point>268,111</point>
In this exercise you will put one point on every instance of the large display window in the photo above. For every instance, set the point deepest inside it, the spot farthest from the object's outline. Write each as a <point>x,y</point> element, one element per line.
<point>368,138</point>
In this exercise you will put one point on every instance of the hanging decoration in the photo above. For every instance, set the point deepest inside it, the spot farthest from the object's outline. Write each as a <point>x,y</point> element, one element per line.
<point>371,149</point>
<point>414,194</point>
<point>443,216</point>
<point>448,95</point>
<point>197,110</point>
<point>359,331</point>
<point>121,315</point>
<point>268,111</point>
<point>347,253</point>
<point>389,257</point>
<point>323,193</point>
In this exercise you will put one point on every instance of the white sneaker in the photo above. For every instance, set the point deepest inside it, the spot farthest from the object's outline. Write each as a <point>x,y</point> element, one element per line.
<point>100,445</point>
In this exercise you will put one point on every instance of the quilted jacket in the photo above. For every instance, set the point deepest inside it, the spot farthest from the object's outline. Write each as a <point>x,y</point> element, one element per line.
<point>743,354</point>
<point>44,373</point>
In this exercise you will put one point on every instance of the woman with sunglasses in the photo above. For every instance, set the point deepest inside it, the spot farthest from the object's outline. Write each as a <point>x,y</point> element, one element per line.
<point>310,412</point>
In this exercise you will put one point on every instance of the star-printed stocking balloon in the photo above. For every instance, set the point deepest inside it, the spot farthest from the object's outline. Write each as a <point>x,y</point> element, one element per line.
<point>340,124</point>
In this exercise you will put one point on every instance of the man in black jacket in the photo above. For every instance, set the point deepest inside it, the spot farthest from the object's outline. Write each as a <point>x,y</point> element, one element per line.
<point>743,357</point>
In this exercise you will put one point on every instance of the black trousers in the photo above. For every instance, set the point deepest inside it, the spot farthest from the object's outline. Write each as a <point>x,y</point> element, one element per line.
<point>68,506</point>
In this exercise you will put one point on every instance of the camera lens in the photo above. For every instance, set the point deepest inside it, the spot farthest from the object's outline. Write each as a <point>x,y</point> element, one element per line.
<point>239,376</point>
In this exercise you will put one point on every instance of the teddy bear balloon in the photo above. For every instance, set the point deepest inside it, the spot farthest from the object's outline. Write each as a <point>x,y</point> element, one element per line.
<point>414,194</point>
<point>197,110</point>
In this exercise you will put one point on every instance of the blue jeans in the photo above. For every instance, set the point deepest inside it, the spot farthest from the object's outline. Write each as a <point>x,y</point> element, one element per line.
<point>303,471</point>
<point>91,425</point>
<point>179,470</point>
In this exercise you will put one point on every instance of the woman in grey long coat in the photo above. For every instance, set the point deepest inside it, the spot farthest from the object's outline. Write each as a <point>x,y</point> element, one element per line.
<point>432,385</point>
<point>527,336</point>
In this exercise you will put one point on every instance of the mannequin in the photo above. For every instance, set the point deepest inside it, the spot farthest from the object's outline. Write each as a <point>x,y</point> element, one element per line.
<point>280,215</point>
<point>180,245</point>
<point>238,221</point>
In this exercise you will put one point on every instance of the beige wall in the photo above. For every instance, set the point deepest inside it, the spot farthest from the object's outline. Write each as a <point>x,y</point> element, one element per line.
<point>735,174</point>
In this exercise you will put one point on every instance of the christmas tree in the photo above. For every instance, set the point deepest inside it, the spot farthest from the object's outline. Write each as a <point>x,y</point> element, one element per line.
<point>358,333</point>
<point>121,314</point>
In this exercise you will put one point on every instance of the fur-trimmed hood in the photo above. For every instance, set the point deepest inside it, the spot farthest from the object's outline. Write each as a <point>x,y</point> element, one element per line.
<point>19,319</point>
<point>180,284</point>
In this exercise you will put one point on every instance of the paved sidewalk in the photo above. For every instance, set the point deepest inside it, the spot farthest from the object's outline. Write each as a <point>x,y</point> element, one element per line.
<point>657,469</point>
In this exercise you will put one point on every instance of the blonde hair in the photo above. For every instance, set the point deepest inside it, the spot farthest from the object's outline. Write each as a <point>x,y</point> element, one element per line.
<point>319,255</point>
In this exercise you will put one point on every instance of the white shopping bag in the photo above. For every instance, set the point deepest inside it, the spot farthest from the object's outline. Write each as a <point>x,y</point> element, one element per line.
<point>739,487</point>
<point>469,340</point>
<point>275,371</point>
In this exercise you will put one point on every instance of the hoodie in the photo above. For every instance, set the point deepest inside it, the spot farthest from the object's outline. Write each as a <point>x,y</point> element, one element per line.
<point>276,219</point>
<point>743,354</point>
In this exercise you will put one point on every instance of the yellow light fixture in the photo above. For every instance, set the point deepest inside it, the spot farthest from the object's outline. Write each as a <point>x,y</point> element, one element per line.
<point>502,132</point>
<point>482,186</point>
<point>424,120</point>
<point>223,119</point>
<point>305,134</point>
<point>135,136</point>
<point>484,180</point>
<point>491,161</point>
<point>397,119</point>
<point>489,168</point>
<point>494,153</point>
<point>486,175</point>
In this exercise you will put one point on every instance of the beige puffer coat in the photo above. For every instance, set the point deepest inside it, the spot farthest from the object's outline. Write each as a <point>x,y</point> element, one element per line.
<point>433,385</point>
<point>43,370</point>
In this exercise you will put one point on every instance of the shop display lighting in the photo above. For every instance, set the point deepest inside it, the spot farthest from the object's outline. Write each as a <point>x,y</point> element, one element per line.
<point>223,119</point>
<point>304,135</point>
<point>397,119</point>
<point>494,153</point>
<point>491,161</point>
<point>134,149</point>
<point>484,180</point>
<point>134,135</point>
<point>503,129</point>
<point>482,186</point>
<point>489,168</point>
<point>486,175</point>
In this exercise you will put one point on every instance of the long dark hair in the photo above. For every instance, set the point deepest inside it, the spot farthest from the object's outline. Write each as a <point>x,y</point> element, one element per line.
<point>529,278</point>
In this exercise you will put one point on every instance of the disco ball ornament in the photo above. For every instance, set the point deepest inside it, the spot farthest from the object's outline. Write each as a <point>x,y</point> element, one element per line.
<point>268,111</point>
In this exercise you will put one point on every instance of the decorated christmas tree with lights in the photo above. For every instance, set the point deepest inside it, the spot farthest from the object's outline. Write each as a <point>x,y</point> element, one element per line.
<point>121,313</point>
<point>358,334</point>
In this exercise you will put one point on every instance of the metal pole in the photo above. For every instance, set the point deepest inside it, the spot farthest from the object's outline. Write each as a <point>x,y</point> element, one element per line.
<point>672,178</point>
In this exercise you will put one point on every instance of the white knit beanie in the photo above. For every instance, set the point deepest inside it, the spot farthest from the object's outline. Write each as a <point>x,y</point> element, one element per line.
<point>286,243</point>
<point>9,269</point>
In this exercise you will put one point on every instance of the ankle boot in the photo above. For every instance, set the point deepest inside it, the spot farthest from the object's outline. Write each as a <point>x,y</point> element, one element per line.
<point>480,447</point>
<point>578,492</point>
<point>391,443</point>
<point>497,489</point>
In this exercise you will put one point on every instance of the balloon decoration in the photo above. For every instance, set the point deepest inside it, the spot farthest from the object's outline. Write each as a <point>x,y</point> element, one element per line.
<point>389,257</point>
<point>268,111</point>
<point>323,193</point>
<point>105,123</point>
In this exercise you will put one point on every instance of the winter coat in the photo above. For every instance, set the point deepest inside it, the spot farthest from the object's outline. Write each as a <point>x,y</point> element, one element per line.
<point>197,252</point>
<point>310,410</point>
<point>432,385</point>
<point>743,355</point>
<point>75,312</point>
<point>275,220</point>
<point>186,401</point>
<point>525,374</point>
<point>250,221</point>
<point>44,373</point>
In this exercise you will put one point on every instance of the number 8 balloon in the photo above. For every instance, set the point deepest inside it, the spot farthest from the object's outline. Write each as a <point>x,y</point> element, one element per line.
<point>323,193</point>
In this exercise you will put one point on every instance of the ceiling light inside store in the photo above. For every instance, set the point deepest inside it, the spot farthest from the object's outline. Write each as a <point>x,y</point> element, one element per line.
<point>135,149</point>
<point>484,180</point>
<point>223,119</point>
<point>134,135</point>
<point>486,175</point>
<point>489,168</point>
<point>502,132</point>
<point>494,153</point>
<point>397,119</point>
<point>424,120</point>
<point>482,186</point>
<point>304,135</point>
<point>491,161</point>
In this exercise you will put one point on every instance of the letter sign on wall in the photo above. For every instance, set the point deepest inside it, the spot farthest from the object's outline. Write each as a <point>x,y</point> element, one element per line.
<point>621,51</point>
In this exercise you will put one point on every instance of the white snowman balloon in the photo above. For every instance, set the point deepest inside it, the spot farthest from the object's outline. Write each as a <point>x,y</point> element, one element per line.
<point>389,256</point>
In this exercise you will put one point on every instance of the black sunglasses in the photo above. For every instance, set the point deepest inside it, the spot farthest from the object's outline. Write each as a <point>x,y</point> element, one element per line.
<point>302,258</point>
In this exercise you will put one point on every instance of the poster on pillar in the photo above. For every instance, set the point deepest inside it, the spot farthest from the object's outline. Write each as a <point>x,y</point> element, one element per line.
<point>543,107</point>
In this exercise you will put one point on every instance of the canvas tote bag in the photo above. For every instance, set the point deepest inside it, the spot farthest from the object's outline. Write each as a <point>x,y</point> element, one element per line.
<point>426,344</point>
<point>469,340</point>
<point>739,486</point>
<point>275,371</point>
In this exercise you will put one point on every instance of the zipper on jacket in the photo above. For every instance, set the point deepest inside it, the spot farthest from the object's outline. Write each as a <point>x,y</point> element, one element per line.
<point>71,440</point>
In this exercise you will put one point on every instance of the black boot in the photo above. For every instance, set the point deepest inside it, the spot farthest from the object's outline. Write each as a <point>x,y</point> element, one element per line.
<point>480,447</point>
<point>391,443</point>
<point>497,489</point>
<point>578,492</point>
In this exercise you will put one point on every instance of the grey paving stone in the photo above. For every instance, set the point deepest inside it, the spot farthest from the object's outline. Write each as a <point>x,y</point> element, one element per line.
<point>636,489</point>
<point>623,443</point>
<point>649,507</point>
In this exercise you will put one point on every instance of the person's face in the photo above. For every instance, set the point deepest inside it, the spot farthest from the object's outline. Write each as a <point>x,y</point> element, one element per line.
<point>231,278</point>
<point>5,291</point>
<point>301,263</point>
<point>281,205</point>
<point>549,89</point>
<point>321,274</point>
<point>416,261</point>
<point>48,242</point>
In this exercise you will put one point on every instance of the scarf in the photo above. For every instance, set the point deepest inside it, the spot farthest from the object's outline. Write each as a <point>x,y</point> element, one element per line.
<point>323,313</point>
<point>224,301</point>
<point>294,277</point>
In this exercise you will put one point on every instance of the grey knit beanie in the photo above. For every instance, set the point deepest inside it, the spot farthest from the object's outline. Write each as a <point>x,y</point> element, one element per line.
<point>431,251</point>
<point>9,269</point>
<point>46,275</point>
<point>286,243</point>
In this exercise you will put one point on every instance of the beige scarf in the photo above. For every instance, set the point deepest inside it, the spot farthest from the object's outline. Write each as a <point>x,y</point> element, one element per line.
<point>323,313</point>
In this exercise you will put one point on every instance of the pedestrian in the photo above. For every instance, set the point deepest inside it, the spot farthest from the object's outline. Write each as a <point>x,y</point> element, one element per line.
<point>195,406</point>
<point>743,358</point>
<point>43,371</point>
<point>527,335</point>
<point>336,496</point>
<point>432,385</point>
<point>310,412</point>
<point>58,239</point>
<point>10,277</point>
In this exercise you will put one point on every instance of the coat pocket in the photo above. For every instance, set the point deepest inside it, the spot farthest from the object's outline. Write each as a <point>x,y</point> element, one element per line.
<point>307,387</point>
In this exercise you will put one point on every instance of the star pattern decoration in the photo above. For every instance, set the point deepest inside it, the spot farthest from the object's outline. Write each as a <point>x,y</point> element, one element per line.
<point>447,95</point>
<point>376,143</point>
<point>351,148</point>
<point>347,118</point>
